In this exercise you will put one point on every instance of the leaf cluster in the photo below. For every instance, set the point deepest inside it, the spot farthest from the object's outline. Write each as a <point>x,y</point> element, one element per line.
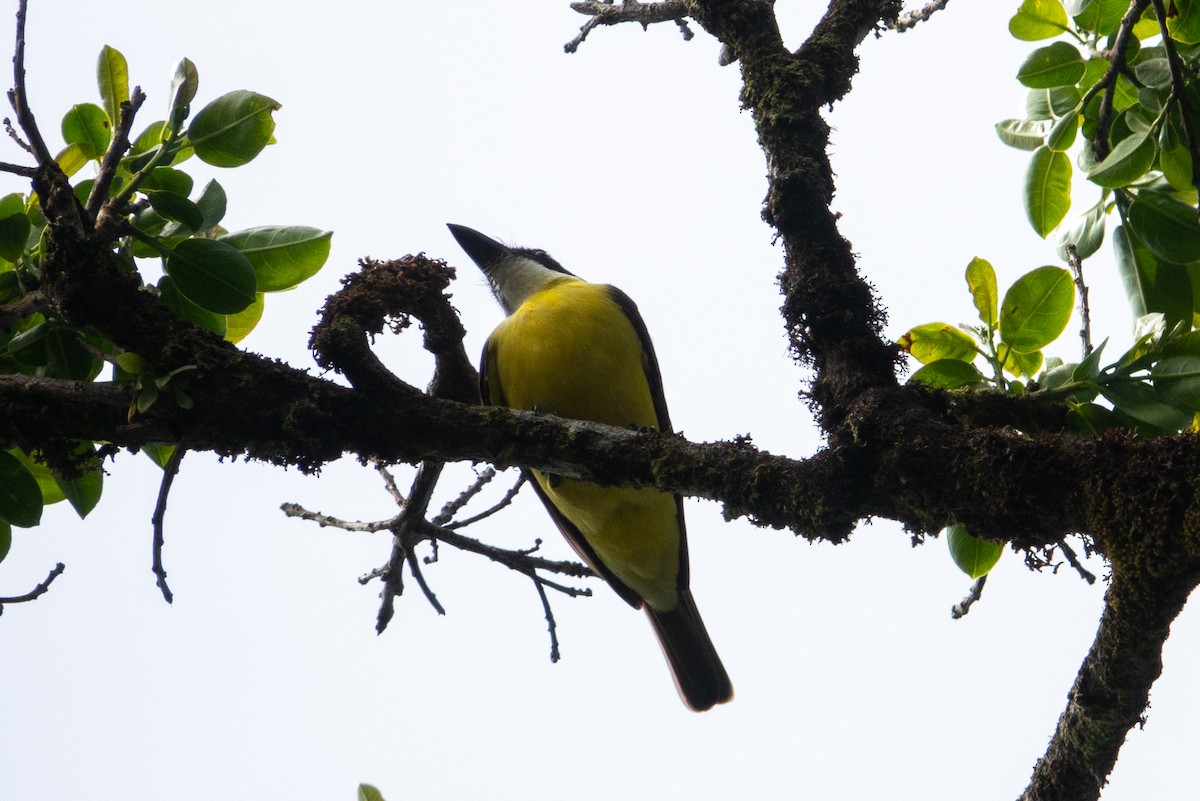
<point>165,234</point>
<point>1112,100</point>
<point>1132,93</point>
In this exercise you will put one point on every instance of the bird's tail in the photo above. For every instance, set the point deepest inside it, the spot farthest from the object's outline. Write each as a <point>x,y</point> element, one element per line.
<point>699,675</point>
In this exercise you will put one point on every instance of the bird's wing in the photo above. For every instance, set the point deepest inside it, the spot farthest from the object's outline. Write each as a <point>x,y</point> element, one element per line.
<point>654,379</point>
<point>493,395</point>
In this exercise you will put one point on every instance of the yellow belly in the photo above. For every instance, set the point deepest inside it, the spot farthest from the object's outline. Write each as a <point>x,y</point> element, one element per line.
<point>571,351</point>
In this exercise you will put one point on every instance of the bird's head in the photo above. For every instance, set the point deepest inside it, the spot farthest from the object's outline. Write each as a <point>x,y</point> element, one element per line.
<point>514,273</point>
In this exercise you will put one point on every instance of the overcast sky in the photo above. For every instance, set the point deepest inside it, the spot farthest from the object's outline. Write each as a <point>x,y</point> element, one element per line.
<point>631,163</point>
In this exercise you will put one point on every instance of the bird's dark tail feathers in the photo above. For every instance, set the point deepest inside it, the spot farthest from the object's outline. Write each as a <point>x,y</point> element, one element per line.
<point>699,675</point>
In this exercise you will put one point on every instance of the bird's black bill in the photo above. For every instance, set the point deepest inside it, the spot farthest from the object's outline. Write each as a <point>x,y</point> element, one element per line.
<point>483,250</point>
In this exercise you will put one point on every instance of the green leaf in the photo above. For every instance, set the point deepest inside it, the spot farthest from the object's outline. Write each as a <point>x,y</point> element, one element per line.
<point>1166,226</point>
<point>1062,135</point>
<point>233,129</point>
<point>14,227</point>
<point>1089,368</point>
<point>212,274</point>
<point>1174,159</point>
<point>1127,162</point>
<point>1022,134</point>
<point>933,341</point>
<point>159,452</point>
<point>84,491</point>
<point>1091,419</point>
<point>1184,27</point>
<point>1154,72</point>
<point>5,539</point>
<point>29,346</point>
<point>71,159</point>
<point>148,139</point>
<point>368,793</point>
<point>112,74</point>
<point>183,91</point>
<point>1021,365</point>
<point>974,556</point>
<point>1058,64</point>
<point>20,497</point>
<point>947,374</point>
<point>1036,309</point>
<point>212,203</point>
<point>1086,233</point>
<point>981,281</point>
<point>1047,190</point>
<point>10,287</point>
<point>238,326</point>
<point>1141,402</point>
<point>146,397</point>
<point>282,256</point>
<point>88,126</point>
<point>1151,284</point>
<point>189,311</point>
<point>168,179</point>
<point>1038,19</point>
<point>1101,16</point>
<point>1050,104</point>
<point>66,357</point>
<point>1177,381</point>
<point>1132,274</point>
<point>178,208</point>
<point>51,492</point>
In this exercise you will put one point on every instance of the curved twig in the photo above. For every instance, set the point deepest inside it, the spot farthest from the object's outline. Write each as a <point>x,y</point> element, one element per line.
<point>37,591</point>
<point>170,470</point>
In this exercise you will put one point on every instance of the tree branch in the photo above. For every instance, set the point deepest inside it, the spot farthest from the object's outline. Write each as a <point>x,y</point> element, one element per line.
<point>644,14</point>
<point>910,19</point>
<point>1112,689</point>
<point>170,470</point>
<point>19,97</point>
<point>37,591</point>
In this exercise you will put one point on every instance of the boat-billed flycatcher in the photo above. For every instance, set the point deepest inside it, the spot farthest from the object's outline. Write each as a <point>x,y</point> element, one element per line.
<point>581,350</point>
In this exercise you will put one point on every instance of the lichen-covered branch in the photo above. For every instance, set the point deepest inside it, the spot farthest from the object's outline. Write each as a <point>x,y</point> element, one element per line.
<point>644,14</point>
<point>832,316</point>
<point>1112,690</point>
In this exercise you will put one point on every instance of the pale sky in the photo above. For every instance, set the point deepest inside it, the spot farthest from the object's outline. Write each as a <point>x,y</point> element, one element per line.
<point>631,163</point>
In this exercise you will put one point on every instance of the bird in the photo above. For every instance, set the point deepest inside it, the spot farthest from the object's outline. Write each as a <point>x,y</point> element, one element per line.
<point>580,350</point>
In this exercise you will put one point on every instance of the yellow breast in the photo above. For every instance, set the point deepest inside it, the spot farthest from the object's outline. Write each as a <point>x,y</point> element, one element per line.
<point>570,350</point>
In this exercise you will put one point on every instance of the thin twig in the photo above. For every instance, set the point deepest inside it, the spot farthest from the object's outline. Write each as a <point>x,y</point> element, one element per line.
<point>114,154</point>
<point>1085,314</point>
<point>18,169</point>
<point>323,520</point>
<point>412,515</point>
<point>37,591</point>
<point>521,561</point>
<point>170,470</point>
<point>960,609</point>
<point>909,19</point>
<point>414,565</point>
<point>503,502</point>
<point>452,507</point>
<point>18,96</point>
<point>389,483</point>
<point>551,625</point>
<point>1073,560</point>
<point>16,137</point>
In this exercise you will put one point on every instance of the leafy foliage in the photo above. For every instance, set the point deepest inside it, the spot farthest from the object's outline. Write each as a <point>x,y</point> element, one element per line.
<point>1120,93</point>
<point>1118,83</point>
<point>213,278</point>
